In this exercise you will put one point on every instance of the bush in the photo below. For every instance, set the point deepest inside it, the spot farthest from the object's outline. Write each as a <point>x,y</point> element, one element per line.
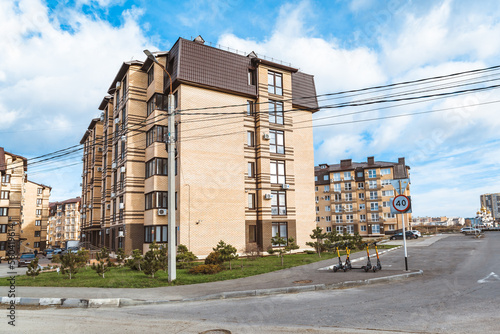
<point>310,252</point>
<point>206,269</point>
<point>214,258</point>
<point>184,257</point>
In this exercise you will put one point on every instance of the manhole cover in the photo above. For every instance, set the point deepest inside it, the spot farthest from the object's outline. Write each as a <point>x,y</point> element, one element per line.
<point>303,281</point>
<point>216,331</point>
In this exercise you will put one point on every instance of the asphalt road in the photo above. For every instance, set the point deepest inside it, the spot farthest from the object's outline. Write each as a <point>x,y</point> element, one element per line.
<point>458,293</point>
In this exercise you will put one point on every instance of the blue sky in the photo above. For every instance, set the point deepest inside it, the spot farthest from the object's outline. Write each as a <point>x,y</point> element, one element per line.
<point>58,58</point>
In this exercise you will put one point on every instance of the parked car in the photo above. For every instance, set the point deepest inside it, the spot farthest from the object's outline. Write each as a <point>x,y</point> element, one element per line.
<point>57,251</point>
<point>47,251</point>
<point>466,230</point>
<point>70,250</point>
<point>417,233</point>
<point>409,235</point>
<point>25,259</point>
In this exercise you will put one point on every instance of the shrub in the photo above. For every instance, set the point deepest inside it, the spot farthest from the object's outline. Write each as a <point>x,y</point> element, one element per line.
<point>135,262</point>
<point>206,269</point>
<point>184,257</point>
<point>214,258</point>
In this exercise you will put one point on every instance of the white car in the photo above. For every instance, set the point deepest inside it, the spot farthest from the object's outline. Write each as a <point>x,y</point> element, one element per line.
<point>467,230</point>
<point>417,233</point>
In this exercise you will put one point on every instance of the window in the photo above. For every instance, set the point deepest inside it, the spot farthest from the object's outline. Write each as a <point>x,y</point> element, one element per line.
<point>347,176</point>
<point>385,171</point>
<point>6,178</point>
<point>389,215</point>
<point>350,229</point>
<point>317,209</point>
<point>373,195</point>
<point>250,139</point>
<point>327,198</point>
<point>386,204</point>
<point>276,142</point>
<point>361,195</point>
<point>37,234</point>
<point>38,222</point>
<point>315,188</point>
<point>372,184</point>
<point>347,186</point>
<point>362,206</point>
<point>156,102</point>
<point>123,150</point>
<point>251,77</point>
<point>156,134</point>
<point>348,197</point>
<point>338,219</point>
<point>38,201</point>
<point>338,208</point>
<point>362,228</point>
<point>36,244</point>
<point>157,233</point>
<point>361,185</point>
<point>337,198</point>
<point>3,228</point>
<point>252,233</point>
<point>348,207</point>
<point>151,74</point>
<point>38,212</point>
<point>390,227</point>
<point>277,172</point>
<point>39,191</point>
<point>328,228</point>
<point>326,177</point>
<point>275,112</point>
<point>275,83</point>
<point>250,108</point>
<point>362,218</point>
<point>315,179</point>
<point>251,201</point>
<point>156,199</point>
<point>328,219</point>
<point>250,169</point>
<point>373,206</point>
<point>386,182</point>
<point>336,187</point>
<point>387,192</point>
<point>327,208</point>
<point>4,194</point>
<point>375,228</point>
<point>327,189</point>
<point>372,173</point>
<point>280,230</point>
<point>278,203</point>
<point>374,217</point>
<point>336,176</point>
<point>317,218</point>
<point>158,166</point>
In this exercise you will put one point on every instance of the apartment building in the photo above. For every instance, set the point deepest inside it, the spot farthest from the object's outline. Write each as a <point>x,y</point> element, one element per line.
<point>355,196</point>
<point>23,206</point>
<point>243,166</point>
<point>64,222</point>
<point>491,202</point>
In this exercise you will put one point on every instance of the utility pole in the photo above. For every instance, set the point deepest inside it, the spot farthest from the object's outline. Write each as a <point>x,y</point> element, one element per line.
<point>170,143</point>
<point>404,231</point>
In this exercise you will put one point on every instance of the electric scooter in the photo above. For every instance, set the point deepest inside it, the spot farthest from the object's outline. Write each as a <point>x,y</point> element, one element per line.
<point>347,265</point>
<point>368,262</point>
<point>378,266</point>
<point>340,265</point>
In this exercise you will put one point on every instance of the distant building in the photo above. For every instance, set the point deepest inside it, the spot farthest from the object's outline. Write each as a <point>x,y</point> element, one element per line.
<point>355,196</point>
<point>431,221</point>
<point>491,202</point>
<point>24,206</point>
<point>64,222</point>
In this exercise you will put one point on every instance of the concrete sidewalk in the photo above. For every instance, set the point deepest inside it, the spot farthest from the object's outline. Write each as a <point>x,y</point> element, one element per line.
<point>310,277</point>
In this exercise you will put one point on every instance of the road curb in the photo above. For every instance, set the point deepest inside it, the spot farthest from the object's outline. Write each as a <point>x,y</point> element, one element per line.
<point>123,302</point>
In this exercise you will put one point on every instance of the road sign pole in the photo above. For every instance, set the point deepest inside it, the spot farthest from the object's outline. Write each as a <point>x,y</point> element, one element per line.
<point>404,232</point>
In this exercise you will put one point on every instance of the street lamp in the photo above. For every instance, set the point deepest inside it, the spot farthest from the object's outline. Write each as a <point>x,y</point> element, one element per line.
<point>170,141</point>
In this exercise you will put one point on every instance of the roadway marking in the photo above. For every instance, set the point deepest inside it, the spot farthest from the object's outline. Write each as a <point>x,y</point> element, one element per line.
<point>485,280</point>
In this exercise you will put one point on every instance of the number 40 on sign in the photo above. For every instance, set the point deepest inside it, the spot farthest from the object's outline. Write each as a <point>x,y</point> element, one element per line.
<point>401,204</point>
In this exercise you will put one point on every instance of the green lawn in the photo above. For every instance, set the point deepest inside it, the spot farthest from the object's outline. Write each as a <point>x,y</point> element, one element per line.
<point>127,278</point>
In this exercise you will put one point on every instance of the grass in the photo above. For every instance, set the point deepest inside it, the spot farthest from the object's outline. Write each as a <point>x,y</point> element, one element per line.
<point>123,277</point>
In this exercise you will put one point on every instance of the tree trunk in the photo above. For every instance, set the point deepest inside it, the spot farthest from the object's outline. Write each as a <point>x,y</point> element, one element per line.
<point>282,260</point>
<point>230,265</point>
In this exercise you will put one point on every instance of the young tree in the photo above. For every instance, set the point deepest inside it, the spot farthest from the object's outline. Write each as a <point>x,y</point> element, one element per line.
<point>103,265</point>
<point>226,251</point>
<point>317,235</point>
<point>331,241</point>
<point>33,268</point>
<point>281,243</point>
<point>163,257</point>
<point>291,245</point>
<point>135,262</point>
<point>151,262</point>
<point>184,256</point>
<point>72,262</point>
<point>120,256</point>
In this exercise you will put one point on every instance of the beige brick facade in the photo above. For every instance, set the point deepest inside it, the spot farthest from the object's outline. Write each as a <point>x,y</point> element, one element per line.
<point>223,126</point>
<point>355,197</point>
<point>64,222</point>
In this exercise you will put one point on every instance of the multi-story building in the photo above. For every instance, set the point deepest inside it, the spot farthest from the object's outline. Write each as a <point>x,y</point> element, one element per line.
<point>355,197</point>
<point>23,206</point>
<point>64,222</point>
<point>244,155</point>
<point>491,202</point>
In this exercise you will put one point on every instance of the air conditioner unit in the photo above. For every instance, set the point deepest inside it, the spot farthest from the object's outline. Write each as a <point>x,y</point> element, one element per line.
<point>317,201</point>
<point>113,165</point>
<point>322,197</point>
<point>121,234</point>
<point>268,196</point>
<point>90,206</point>
<point>118,85</point>
<point>117,120</point>
<point>83,159</point>
<point>107,231</point>
<point>266,136</point>
<point>162,212</point>
<point>285,186</point>
<point>99,149</point>
<point>113,195</point>
<point>99,169</point>
<point>322,217</point>
<point>122,206</point>
<point>122,169</point>
<point>124,138</point>
<point>85,205</point>
<point>108,206</point>
<point>81,184</point>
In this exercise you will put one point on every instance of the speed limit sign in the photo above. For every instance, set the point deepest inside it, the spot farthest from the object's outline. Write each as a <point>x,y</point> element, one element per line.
<point>401,203</point>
